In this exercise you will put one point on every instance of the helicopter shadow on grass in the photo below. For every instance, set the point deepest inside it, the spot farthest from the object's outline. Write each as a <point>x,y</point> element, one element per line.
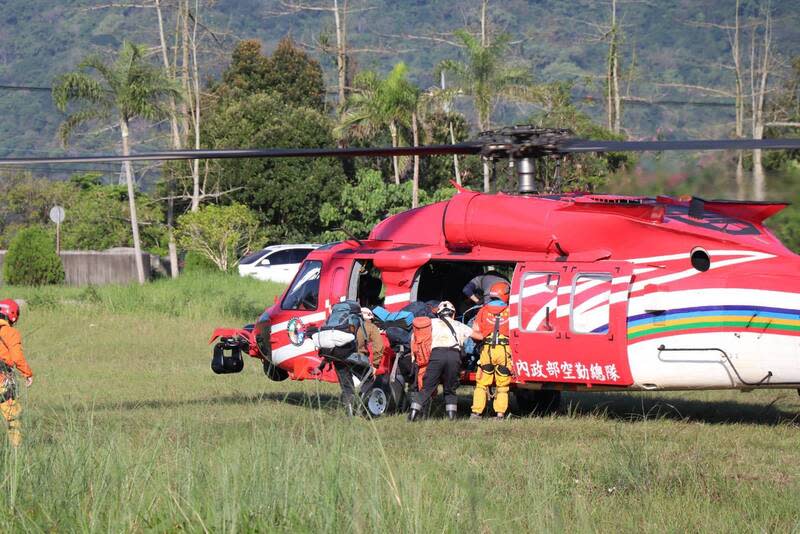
<point>639,408</point>
<point>295,398</point>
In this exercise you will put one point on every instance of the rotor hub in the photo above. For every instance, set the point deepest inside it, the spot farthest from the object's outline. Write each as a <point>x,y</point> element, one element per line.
<point>522,141</point>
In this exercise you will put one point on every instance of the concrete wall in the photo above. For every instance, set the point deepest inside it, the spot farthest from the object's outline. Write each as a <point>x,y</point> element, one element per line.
<point>115,266</point>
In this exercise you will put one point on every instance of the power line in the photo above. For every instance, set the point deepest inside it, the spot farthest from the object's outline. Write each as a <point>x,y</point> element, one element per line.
<point>25,88</point>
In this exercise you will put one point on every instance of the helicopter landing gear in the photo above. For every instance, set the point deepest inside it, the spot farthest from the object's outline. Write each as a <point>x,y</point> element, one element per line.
<point>274,372</point>
<point>384,397</point>
<point>540,402</point>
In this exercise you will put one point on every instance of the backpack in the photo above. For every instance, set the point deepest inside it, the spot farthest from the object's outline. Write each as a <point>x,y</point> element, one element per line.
<point>386,319</point>
<point>399,336</point>
<point>423,340</point>
<point>420,309</point>
<point>334,338</point>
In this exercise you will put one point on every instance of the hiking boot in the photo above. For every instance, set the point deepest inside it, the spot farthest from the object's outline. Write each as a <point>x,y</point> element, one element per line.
<point>501,417</point>
<point>475,416</point>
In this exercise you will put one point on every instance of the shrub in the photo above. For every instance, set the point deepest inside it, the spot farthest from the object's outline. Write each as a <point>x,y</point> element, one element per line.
<point>32,260</point>
<point>196,262</point>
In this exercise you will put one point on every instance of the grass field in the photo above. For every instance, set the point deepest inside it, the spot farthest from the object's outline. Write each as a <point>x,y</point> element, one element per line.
<point>128,430</point>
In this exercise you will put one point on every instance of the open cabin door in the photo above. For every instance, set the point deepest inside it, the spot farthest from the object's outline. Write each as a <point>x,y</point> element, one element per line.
<point>569,322</point>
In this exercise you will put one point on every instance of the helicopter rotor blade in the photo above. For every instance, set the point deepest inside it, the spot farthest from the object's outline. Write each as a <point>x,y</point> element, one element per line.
<point>428,150</point>
<point>573,146</point>
<point>502,149</point>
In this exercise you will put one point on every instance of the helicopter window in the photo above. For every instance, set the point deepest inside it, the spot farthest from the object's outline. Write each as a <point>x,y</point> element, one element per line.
<point>304,291</point>
<point>700,260</point>
<point>538,302</point>
<point>366,285</point>
<point>590,304</point>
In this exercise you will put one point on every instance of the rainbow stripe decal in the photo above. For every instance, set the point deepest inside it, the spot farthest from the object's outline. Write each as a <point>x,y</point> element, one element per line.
<point>715,318</point>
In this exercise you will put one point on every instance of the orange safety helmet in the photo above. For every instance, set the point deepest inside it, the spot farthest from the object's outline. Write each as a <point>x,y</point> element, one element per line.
<point>9,309</point>
<point>500,290</point>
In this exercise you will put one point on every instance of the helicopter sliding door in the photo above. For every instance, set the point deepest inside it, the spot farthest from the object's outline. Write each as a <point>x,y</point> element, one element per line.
<point>569,322</point>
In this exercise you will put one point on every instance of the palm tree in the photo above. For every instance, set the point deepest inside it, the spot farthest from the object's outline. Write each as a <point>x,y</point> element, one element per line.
<point>486,76</point>
<point>378,103</point>
<point>125,90</point>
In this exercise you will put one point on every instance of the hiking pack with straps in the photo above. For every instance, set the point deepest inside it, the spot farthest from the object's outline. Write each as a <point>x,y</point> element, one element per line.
<point>335,338</point>
<point>423,340</point>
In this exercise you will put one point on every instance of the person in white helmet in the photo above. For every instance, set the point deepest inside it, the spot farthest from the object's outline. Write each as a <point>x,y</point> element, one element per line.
<point>447,339</point>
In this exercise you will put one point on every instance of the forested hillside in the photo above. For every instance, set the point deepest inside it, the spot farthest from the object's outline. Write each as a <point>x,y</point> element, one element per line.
<point>661,42</point>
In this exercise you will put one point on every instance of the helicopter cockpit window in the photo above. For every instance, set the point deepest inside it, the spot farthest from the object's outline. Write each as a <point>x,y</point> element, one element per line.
<point>590,304</point>
<point>304,292</point>
<point>366,285</point>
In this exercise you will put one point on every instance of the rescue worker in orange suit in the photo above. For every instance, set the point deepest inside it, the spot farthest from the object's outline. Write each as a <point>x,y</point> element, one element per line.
<point>447,338</point>
<point>11,356</point>
<point>494,365</point>
<point>368,339</point>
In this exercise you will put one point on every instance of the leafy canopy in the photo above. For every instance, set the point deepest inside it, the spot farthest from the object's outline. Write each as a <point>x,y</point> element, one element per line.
<point>485,74</point>
<point>361,206</point>
<point>286,193</point>
<point>379,102</point>
<point>124,90</point>
<point>288,73</point>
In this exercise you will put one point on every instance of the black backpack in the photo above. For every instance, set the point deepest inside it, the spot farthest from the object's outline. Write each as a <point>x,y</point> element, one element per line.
<point>421,309</point>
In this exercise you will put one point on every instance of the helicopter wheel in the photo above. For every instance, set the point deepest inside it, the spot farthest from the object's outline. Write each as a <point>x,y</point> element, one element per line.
<point>385,397</point>
<point>541,402</point>
<point>376,402</point>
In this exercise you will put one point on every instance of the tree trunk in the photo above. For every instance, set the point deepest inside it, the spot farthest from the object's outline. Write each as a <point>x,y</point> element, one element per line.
<point>188,112</point>
<point>484,38</point>
<point>176,144</point>
<point>455,157</point>
<point>614,99</point>
<point>196,115</point>
<point>741,193</point>
<point>759,91</point>
<point>340,22</point>
<point>137,245</point>
<point>395,162</point>
<point>740,185</point>
<point>415,185</point>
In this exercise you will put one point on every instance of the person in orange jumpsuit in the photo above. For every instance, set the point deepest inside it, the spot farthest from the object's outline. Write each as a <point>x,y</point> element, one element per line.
<point>495,365</point>
<point>11,356</point>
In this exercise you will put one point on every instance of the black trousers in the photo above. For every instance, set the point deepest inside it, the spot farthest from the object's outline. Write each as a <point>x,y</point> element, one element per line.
<point>344,372</point>
<point>444,367</point>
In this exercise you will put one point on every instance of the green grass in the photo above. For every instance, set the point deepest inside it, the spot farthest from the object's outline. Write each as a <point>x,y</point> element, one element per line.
<point>128,430</point>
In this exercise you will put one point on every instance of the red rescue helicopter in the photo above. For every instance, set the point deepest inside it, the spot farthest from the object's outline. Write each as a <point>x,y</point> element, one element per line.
<point>608,293</point>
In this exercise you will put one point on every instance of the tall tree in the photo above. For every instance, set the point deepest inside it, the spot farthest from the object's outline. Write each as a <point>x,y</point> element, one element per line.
<point>129,88</point>
<point>760,65</point>
<point>289,73</point>
<point>486,75</point>
<point>378,103</point>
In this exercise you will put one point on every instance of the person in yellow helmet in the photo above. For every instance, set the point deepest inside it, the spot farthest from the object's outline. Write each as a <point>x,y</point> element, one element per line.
<point>495,364</point>
<point>11,356</point>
